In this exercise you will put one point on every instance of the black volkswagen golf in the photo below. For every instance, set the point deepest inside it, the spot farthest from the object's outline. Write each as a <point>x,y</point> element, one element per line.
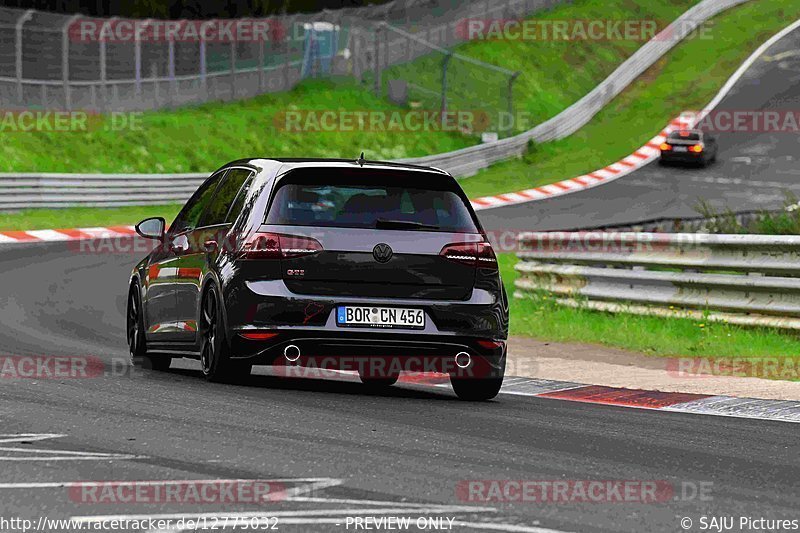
<point>370,266</point>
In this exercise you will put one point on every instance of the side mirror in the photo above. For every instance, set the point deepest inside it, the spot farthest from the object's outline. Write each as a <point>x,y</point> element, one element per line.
<point>152,228</point>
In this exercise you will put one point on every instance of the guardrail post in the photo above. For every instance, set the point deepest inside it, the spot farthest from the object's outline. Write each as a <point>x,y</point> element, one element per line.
<point>18,48</point>
<point>511,81</point>
<point>203,66</point>
<point>378,82</point>
<point>173,86</point>
<point>262,82</point>
<point>103,63</point>
<point>137,60</point>
<point>65,60</point>
<point>233,69</point>
<point>287,59</point>
<point>354,53</point>
<point>445,63</point>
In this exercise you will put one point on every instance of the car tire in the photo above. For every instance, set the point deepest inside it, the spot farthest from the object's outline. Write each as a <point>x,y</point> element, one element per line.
<point>137,344</point>
<point>215,355</point>
<point>474,389</point>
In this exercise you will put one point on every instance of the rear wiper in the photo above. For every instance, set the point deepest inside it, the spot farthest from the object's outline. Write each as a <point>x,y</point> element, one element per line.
<point>383,223</point>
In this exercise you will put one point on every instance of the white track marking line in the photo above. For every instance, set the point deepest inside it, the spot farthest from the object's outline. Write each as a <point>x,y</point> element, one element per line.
<point>466,508</point>
<point>329,482</point>
<point>320,484</point>
<point>53,455</point>
<point>402,511</point>
<point>507,527</point>
<point>58,452</point>
<point>22,437</point>
<point>87,458</point>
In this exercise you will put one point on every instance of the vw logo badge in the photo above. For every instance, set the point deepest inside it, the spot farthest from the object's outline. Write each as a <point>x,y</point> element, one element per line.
<point>382,252</point>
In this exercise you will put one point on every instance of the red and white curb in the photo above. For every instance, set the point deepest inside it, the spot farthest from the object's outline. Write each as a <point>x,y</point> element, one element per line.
<point>705,404</point>
<point>641,157</point>
<point>63,235</point>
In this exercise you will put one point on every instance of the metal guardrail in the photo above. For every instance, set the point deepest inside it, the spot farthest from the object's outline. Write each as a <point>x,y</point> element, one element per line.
<point>468,161</point>
<point>23,191</point>
<point>742,279</point>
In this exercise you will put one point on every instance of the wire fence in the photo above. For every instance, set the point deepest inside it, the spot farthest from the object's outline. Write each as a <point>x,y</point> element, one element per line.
<point>54,61</point>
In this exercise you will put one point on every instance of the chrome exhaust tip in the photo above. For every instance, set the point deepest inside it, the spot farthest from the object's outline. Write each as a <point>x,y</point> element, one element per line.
<point>463,360</point>
<point>291,353</point>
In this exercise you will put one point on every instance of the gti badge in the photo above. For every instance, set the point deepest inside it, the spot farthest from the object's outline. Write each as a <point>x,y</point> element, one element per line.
<point>382,252</point>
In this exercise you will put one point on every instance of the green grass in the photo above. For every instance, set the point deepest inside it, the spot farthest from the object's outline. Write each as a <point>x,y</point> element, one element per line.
<point>202,138</point>
<point>685,79</point>
<point>540,317</point>
<point>553,73</point>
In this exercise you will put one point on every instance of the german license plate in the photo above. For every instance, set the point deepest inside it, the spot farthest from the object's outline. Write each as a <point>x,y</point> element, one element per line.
<point>681,149</point>
<point>380,317</point>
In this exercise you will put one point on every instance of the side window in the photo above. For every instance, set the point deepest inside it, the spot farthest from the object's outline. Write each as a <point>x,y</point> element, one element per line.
<point>226,193</point>
<point>238,203</point>
<point>190,214</point>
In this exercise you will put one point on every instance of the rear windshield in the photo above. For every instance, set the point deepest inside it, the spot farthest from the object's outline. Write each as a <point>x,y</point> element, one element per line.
<point>685,135</point>
<point>378,201</point>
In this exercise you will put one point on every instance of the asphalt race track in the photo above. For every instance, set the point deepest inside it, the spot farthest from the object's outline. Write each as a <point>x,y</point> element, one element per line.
<point>402,451</point>
<point>754,170</point>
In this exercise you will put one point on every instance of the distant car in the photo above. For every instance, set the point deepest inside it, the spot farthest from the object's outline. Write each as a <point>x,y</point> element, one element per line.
<point>689,146</point>
<point>277,262</point>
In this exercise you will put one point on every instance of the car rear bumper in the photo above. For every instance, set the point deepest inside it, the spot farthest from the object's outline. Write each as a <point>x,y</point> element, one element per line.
<point>349,349</point>
<point>269,305</point>
<point>683,157</point>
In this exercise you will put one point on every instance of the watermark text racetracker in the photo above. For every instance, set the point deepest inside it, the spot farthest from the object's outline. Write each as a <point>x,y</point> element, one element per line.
<point>783,368</point>
<point>574,491</point>
<point>566,30</point>
<point>178,492</point>
<point>29,121</point>
<point>62,367</point>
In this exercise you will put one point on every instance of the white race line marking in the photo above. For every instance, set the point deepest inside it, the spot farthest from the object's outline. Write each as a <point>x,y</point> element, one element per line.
<point>52,455</point>
<point>394,511</point>
<point>750,183</point>
<point>465,508</point>
<point>24,437</point>
<point>507,527</point>
<point>313,483</point>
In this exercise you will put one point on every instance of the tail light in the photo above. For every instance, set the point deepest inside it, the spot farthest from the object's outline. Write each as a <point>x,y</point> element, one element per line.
<point>477,254</point>
<point>697,148</point>
<point>278,246</point>
<point>665,147</point>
